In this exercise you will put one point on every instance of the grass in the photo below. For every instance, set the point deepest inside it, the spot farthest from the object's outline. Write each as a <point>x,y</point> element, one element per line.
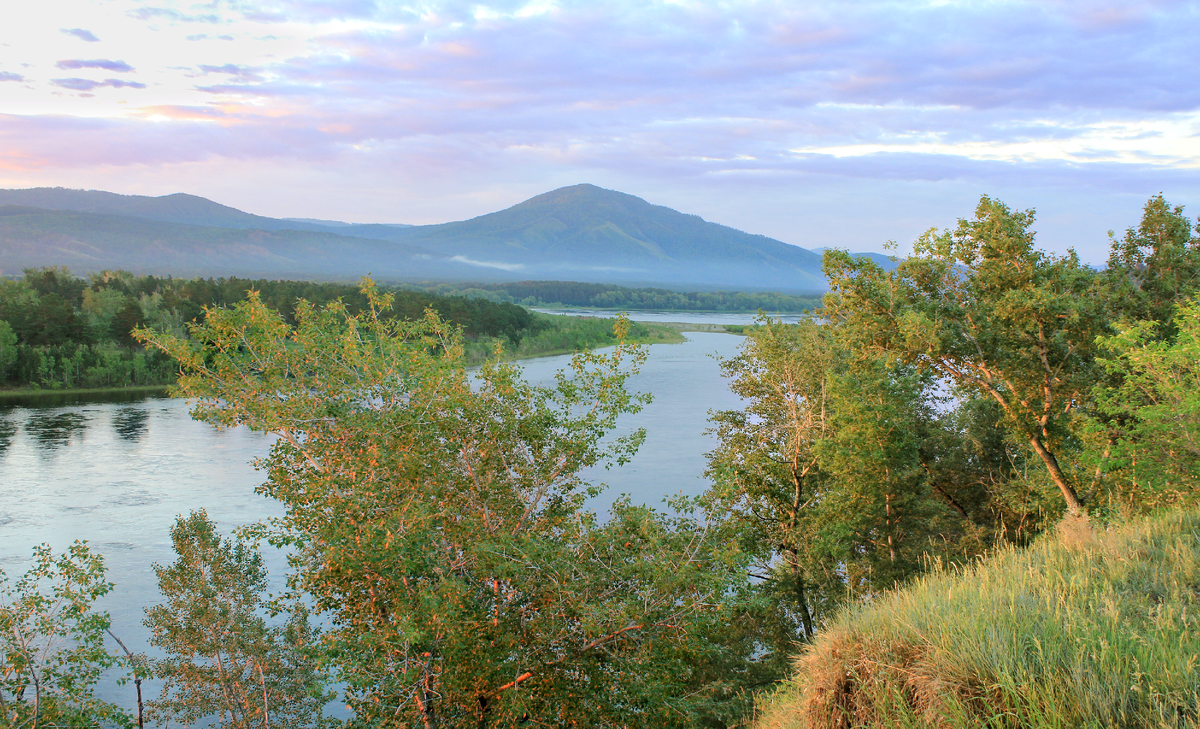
<point>48,397</point>
<point>1088,627</point>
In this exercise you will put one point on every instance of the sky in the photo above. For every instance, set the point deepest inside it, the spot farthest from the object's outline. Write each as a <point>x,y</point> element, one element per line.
<point>843,124</point>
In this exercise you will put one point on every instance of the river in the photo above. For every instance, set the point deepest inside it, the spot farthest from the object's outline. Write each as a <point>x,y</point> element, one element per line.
<point>118,473</point>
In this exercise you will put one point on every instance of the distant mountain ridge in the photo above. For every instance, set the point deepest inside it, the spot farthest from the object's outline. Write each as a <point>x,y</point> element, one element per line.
<point>582,232</point>
<point>179,207</point>
<point>586,229</point>
<point>86,242</point>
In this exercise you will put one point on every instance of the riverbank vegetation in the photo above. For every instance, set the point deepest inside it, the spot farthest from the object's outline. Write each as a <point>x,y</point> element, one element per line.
<point>969,494</point>
<point>575,294</point>
<point>59,331</point>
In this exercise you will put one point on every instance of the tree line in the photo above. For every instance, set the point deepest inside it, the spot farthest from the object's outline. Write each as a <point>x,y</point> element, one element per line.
<point>971,397</point>
<point>58,330</point>
<point>622,298</point>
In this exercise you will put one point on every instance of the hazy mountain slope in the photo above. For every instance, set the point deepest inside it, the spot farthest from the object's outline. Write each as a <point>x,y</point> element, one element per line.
<point>177,208</point>
<point>90,242</point>
<point>590,232</point>
<point>581,233</point>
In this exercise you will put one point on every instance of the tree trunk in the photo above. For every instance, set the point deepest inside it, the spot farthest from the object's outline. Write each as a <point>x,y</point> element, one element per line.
<point>801,596</point>
<point>1074,507</point>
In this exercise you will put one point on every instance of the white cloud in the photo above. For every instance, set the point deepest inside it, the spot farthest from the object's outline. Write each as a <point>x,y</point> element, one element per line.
<point>488,264</point>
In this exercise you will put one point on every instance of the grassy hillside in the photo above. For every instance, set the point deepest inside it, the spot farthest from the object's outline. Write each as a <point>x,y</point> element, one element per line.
<point>1087,628</point>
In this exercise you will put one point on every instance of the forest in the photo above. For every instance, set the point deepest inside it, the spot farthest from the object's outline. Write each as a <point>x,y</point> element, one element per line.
<point>622,298</point>
<point>978,400</point>
<point>61,331</point>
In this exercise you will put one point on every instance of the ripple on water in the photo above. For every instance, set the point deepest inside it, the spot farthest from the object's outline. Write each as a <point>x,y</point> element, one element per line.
<point>141,497</point>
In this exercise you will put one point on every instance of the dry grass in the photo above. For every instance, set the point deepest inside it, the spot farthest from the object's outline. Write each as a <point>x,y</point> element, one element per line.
<point>1086,628</point>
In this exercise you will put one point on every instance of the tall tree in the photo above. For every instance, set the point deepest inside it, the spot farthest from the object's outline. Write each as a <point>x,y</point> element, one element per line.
<point>1154,266</point>
<point>822,474</point>
<point>437,521</point>
<point>765,469</point>
<point>983,308</point>
<point>1155,395</point>
<point>222,660</point>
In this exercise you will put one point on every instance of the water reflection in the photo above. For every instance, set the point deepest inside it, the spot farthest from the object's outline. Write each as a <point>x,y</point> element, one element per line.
<point>54,399</point>
<point>8,431</point>
<point>55,429</point>
<point>130,423</point>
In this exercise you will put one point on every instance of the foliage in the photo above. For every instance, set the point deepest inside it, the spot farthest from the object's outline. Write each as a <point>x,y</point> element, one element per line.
<point>8,349</point>
<point>554,334</point>
<point>1086,628</point>
<point>1152,267</point>
<point>963,396</point>
<point>822,474</point>
<point>437,521</point>
<point>765,469</point>
<point>984,309</point>
<point>622,298</point>
<point>52,642</point>
<point>71,332</point>
<point>1157,401</point>
<point>222,660</point>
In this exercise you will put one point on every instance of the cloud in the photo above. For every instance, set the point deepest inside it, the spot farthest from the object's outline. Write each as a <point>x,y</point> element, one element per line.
<point>81,34</point>
<point>117,66</point>
<point>83,84</point>
<point>474,96</point>
<point>488,264</point>
<point>241,72</point>
<point>10,76</point>
<point>169,14</point>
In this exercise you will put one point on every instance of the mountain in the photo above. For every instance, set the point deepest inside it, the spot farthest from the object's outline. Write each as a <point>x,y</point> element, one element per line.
<point>86,242</point>
<point>177,208</point>
<point>584,232</point>
<point>581,233</point>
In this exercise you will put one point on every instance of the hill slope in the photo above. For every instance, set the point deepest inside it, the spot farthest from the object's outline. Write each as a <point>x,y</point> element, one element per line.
<point>589,233</point>
<point>177,208</point>
<point>1086,628</point>
<point>581,233</point>
<point>84,242</point>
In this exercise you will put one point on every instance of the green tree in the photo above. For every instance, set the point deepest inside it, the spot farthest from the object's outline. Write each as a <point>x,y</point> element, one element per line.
<point>52,321</point>
<point>125,321</point>
<point>222,659</point>
<point>100,308</point>
<point>879,513</point>
<point>1155,394</point>
<point>1154,266</point>
<point>981,307</point>
<point>52,649</point>
<point>765,469</point>
<point>437,522</point>
<point>8,349</point>
<point>823,473</point>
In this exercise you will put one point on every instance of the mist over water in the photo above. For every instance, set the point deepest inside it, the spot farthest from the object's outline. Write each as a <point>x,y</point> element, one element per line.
<point>117,474</point>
